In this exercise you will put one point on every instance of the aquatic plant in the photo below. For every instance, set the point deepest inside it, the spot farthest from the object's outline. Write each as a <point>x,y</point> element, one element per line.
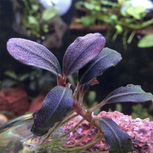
<point>121,17</point>
<point>146,41</point>
<point>33,16</point>
<point>63,6</point>
<point>34,21</point>
<point>87,56</point>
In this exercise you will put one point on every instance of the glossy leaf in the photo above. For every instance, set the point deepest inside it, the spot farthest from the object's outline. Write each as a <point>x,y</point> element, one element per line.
<point>118,140</point>
<point>106,59</point>
<point>34,54</point>
<point>82,51</point>
<point>130,93</point>
<point>54,108</point>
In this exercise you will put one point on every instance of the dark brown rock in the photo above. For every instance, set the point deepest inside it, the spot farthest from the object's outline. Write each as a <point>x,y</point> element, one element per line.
<point>36,104</point>
<point>14,100</point>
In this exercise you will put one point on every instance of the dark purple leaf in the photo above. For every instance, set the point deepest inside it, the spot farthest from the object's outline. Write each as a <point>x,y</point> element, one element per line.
<point>106,59</point>
<point>82,51</point>
<point>130,93</point>
<point>34,54</point>
<point>118,140</point>
<point>54,108</point>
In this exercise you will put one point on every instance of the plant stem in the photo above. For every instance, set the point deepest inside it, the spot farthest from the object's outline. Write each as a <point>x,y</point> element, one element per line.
<point>86,114</point>
<point>131,37</point>
<point>95,140</point>
<point>43,139</point>
<point>73,128</point>
<point>79,109</point>
<point>97,106</point>
<point>68,119</point>
<point>125,39</point>
<point>74,145</point>
<point>134,26</point>
<point>57,140</point>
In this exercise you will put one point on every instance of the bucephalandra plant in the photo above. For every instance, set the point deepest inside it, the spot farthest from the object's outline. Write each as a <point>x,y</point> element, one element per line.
<point>87,56</point>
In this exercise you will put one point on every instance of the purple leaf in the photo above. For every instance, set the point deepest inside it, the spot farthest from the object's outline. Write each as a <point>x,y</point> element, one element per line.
<point>106,59</point>
<point>33,54</point>
<point>81,51</point>
<point>118,140</point>
<point>130,93</point>
<point>54,108</point>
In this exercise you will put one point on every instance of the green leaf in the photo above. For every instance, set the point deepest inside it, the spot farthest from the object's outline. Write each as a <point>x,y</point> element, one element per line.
<point>113,19</point>
<point>89,6</point>
<point>121,2</point>
<point>32,20</point>
<point>34,7</point>
<point>119,29</point>
<point>11,74</point>
<point>118,140</point>
<point>97,7</point>
<point>50,13</point>
<point>127,4</point>
<point>24,77</point>
<point>130,93</point>
<point>146,41</point>
<point>137,12</point>
<point>88,20</point>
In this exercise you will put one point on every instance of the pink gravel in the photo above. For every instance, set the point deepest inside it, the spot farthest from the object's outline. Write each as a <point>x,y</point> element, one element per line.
<point>140,132</point>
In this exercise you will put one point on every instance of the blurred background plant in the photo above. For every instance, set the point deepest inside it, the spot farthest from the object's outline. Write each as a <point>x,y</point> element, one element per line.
<point>91,101</point>
<point>139,111</point>
<point>42,24</point>
<point>36,81</point>
<point>32,15</point>
<point>122,17</point>
<point>146,41</point>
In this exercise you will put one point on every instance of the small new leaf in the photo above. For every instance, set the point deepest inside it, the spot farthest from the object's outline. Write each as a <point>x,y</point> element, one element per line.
<point>130,93</point>
<point>82,51</point>
<point>33,54</point>
<point>106,59</point>
<point>54,108</point>
<point>118,140</point>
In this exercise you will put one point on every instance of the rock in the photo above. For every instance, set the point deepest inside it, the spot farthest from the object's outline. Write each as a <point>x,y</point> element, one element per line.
<point>140,132</point>
<point>14,100</point>
<point>36,104</point>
